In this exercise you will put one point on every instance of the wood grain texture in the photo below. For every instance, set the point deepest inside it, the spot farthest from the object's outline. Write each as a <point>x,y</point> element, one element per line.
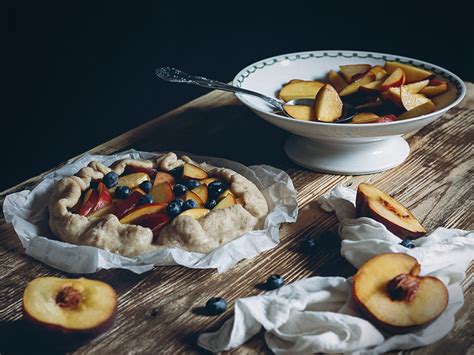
<point>157,310</point>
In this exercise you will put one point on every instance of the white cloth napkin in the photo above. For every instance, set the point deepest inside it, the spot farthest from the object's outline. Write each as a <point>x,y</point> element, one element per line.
<point>318,314</point>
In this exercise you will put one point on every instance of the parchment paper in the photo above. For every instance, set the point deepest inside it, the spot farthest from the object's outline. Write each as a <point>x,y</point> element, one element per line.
<point>27,211</point>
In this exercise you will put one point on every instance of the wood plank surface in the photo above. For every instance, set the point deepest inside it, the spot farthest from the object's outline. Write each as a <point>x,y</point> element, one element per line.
<point>157,310</point>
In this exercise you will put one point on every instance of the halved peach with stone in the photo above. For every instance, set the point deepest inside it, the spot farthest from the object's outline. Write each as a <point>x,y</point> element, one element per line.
<point>142,210</point>
<point>77,306</point>
<point>390,291</point>
<point>193,172</point>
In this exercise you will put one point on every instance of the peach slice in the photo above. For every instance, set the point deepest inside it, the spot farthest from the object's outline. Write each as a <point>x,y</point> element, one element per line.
<point>373,87</point>
<point>396,78</point>
<point>380,73</point>
<point>162,193</point>
<point>378,205</point>
<point>191,171</point>
<point>299,112</point>
<point>195,213</point>
<point>364,117</point>
<point>109,209</point>
<point>420,110</point>
<point>225,193</point>
<point>227,201</point>
<point>125,206</point>
<point>162,176</point>
<point>390,291</point>
<point>367,117</point>
<point>207,181</point>
<point>202,192</point>
<point>104,198</point>
<point>351,71</point>
<point>141,211</point>
<point>410,101</point>
<point>89,201</point>
<point>189,195</point>
<point>154,221</point>
<point>131,169</point>
<point>353,87</point>
<point>327,104</point>
<point>394,92</point>
<point>300,90</point>
<point>132,180</point>
<point>435,88</point>
<point>72,306</point>
<point>412,73</point>
<point>445,98</point>
<point>337,81</point>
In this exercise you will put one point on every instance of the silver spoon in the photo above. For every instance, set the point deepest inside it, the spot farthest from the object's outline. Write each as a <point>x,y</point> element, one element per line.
<point>177,76</point>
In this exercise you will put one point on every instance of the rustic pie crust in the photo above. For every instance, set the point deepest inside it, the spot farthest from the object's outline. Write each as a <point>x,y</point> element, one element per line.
<point>201,235</point>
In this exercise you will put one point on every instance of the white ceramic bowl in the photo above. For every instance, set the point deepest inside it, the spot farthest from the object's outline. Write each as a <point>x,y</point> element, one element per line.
<point>334,147</point>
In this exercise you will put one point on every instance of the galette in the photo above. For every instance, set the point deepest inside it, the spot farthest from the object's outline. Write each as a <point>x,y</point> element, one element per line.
<point>139,206</point>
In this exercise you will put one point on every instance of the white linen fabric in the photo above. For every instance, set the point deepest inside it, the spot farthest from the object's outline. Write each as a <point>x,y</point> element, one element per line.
<point>318,314</point>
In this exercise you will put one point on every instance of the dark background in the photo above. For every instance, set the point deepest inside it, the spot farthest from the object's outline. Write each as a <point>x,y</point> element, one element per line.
<point>79,73</point>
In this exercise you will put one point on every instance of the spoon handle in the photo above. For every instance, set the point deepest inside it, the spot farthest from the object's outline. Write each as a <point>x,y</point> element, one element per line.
<point>177,76</point>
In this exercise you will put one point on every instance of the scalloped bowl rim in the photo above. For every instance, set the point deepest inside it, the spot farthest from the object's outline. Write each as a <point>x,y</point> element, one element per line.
<point>281,57</point>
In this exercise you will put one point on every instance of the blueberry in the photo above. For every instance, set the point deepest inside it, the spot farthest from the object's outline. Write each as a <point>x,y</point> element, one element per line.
<point>122,192</point>
<point>216,305</point>
<point>110,179</point>
<point>94,184</point>
<point>192,184</point>
<point>211,203</point>
<point>215,188</point>
<point>177,173</point>
<point>308,245</point>
<point>407,243</point>
<point>179,189</point>
<point>145,199</point>
<point>188,204</point>
<point>146,186</point>
<point>174,208</point>
<point>274,282</point>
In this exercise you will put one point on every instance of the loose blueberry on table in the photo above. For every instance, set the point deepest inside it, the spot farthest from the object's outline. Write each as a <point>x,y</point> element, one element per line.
<point>216,305</point>
<point>407,243</point>
<point>152,198</point>
<point>274,281</point>
<point>308,245</point>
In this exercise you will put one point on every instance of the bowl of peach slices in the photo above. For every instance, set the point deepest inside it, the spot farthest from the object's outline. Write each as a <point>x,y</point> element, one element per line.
<point>358,105</point>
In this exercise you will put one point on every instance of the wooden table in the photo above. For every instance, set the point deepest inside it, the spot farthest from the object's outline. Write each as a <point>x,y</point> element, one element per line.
<point>157,309</point>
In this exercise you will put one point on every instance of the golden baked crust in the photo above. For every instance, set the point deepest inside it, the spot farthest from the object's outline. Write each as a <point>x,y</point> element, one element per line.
<point>203,235</point>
